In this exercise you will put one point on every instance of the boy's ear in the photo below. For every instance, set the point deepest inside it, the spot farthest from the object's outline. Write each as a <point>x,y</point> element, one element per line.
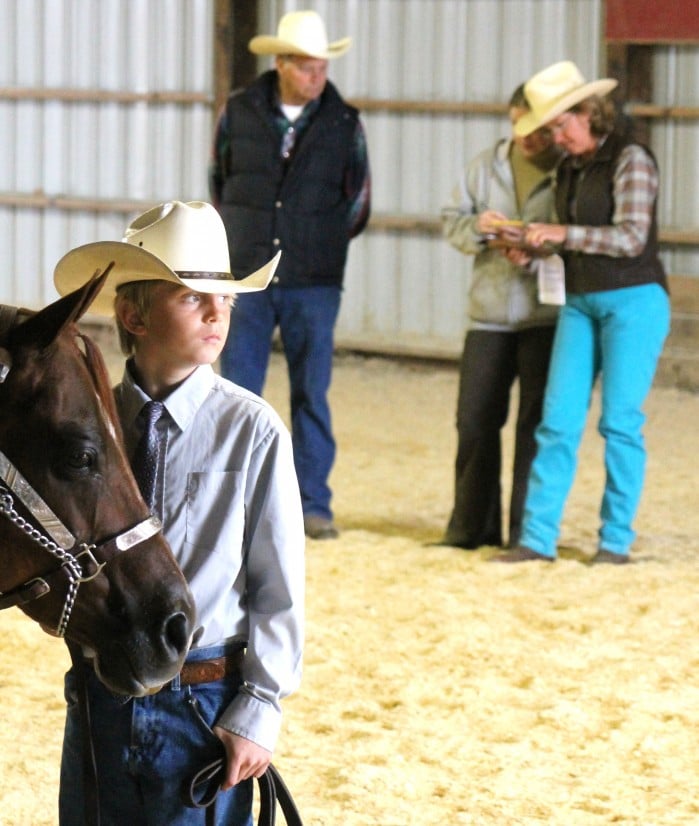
<point>130,318</point>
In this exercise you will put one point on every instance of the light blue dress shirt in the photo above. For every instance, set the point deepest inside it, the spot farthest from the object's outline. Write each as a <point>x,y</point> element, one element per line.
<point>228,498</point>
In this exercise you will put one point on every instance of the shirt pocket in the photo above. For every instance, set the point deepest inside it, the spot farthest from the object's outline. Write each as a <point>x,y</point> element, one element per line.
<point>215,518</point>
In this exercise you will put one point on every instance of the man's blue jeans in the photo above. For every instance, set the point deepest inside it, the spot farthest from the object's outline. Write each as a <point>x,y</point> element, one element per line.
<point>146,748</point>
<point>618,334</point>
<point>306,319</point>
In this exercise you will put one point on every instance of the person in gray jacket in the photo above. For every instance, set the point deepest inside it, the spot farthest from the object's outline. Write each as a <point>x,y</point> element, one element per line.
<point>510,331</point>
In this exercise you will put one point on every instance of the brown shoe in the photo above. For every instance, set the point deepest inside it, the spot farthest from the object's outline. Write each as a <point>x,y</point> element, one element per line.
<point>522,554</point>
<point>447,543</point>
<point>317,527</point>
<point>603,557</point>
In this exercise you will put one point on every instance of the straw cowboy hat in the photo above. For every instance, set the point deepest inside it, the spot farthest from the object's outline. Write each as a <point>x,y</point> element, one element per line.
<point>180,242</point>
<point>554,90</point>
<point>302,33</point>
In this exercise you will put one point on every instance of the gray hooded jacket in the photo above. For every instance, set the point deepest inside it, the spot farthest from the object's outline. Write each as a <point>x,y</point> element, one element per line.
<point>502,296</point>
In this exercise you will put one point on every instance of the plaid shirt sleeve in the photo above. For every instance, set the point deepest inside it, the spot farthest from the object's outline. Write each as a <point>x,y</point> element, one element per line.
<point>358,183</point>
<point>635,193</point>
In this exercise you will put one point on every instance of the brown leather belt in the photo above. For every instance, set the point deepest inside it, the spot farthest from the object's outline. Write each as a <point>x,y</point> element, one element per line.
<point>209,671</point>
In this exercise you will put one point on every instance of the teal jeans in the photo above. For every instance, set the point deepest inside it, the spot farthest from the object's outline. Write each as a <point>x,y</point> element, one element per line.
<point>617,335</point>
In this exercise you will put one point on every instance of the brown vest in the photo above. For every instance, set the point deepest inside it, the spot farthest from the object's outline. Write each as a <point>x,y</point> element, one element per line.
<point>585,197</point>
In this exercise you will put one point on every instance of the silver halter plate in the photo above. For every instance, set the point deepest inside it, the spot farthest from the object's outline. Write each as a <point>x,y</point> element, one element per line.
<point>79,567</point>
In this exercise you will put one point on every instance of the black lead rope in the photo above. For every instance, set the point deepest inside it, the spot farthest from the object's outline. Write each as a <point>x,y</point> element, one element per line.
<point>203,787</point>
<point>201,790</point>
<point>90,788</point>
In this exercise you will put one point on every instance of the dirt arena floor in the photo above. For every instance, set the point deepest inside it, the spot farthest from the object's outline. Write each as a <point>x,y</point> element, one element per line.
<point>440,689</point>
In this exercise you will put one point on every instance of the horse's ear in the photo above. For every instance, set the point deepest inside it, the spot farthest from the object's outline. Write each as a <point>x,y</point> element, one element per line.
<point>43,327</point>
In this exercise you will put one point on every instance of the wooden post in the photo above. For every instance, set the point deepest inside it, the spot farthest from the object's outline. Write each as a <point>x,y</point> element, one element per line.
<point>632,65</point>
<point>244,68</point>
<point>235,23</point>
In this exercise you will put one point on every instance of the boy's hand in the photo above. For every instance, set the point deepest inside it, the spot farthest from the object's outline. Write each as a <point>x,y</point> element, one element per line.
<point>245,758</point>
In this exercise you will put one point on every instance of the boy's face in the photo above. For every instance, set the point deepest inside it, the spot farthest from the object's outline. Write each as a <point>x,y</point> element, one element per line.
<point>185,328</point>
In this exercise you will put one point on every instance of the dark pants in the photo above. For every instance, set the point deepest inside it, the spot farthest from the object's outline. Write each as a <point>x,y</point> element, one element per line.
<point>490,363</point>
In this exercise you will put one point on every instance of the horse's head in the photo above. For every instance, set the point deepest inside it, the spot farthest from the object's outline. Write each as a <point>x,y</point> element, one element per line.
<point>79,552</point>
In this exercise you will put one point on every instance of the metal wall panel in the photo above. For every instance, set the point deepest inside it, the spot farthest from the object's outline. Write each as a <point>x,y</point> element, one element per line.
<point>404,290</point>
<point>139,146</point>
<point>676,144</point>
<point>431,50</point>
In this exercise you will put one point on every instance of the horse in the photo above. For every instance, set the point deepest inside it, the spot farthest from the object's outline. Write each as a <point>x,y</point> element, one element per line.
<point>79,552</point>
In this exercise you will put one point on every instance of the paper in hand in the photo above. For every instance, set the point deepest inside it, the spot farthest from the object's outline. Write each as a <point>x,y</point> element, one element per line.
<point>550,273</point>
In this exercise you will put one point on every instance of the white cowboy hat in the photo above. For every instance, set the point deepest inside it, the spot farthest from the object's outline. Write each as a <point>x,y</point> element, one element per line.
<point>174,241</point>
<point>553,91</point>
<point>302,33</point>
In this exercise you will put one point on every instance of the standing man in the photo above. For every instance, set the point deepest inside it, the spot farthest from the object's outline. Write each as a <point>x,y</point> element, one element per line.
<point>290,172</point>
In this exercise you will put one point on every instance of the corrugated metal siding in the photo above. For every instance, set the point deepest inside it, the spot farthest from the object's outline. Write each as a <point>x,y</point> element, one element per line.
<point>676,144</point>
<point>403,290</point>
<point>66,148</point>
<point>409,292</point>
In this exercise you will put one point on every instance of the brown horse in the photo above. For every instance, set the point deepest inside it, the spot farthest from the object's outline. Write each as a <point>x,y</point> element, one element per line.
<point>79,552</point>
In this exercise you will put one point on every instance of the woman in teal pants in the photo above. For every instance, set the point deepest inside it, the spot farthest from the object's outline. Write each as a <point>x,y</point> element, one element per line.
<point>616,315</point>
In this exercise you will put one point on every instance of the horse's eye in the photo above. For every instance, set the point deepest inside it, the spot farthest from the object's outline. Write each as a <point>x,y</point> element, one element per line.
<point>81,459</point>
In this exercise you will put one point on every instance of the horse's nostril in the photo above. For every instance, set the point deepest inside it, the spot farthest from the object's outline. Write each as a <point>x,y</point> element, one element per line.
<point>177,632</point>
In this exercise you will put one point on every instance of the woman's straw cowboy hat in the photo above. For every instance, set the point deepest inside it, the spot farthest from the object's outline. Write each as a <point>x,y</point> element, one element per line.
<point>553,91</point>
<point>302,33</point>
<point>180,242</point>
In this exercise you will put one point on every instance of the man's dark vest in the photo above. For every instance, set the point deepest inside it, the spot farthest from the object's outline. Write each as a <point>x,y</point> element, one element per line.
<point>300,207</point>
<point>593,190</point>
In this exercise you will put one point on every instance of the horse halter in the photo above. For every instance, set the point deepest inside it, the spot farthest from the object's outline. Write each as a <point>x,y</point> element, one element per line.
<point>52,535</point>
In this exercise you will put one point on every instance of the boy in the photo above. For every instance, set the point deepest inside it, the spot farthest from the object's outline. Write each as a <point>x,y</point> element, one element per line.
<point>225,489</point>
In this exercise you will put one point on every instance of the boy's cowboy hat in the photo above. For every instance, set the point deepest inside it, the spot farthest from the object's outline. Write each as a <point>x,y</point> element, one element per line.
<point>302,33</point>
<point>174,241</point>
<point>553,91</point>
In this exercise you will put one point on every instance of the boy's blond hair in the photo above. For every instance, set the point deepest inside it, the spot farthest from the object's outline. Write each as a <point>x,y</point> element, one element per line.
<point>140,295</point>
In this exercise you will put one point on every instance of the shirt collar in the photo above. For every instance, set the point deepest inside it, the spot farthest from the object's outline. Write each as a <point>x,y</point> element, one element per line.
<point>181,405</point>
<point>308,110</point>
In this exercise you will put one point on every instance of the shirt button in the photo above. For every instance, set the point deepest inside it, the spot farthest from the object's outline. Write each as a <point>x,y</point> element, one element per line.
<point>276,242</point>
<point>275,280</point>
<point>278,204</point>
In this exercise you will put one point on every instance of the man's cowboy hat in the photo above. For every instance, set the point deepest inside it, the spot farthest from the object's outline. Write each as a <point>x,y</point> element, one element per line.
<point>174,241</point>
<point>302,33</point>
<point>553,91</point>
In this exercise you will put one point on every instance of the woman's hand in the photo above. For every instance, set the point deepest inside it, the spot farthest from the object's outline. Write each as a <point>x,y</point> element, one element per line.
<point>487,223</point>
<point>537,235</point>
<point>517,256</point>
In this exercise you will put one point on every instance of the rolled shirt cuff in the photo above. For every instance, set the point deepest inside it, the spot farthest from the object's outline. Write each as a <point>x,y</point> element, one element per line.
<point>253,719</point>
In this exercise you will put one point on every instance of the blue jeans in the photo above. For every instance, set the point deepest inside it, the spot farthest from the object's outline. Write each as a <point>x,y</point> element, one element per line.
<point>618,334</point>
<point>306,319</point>
<point>145,749</point>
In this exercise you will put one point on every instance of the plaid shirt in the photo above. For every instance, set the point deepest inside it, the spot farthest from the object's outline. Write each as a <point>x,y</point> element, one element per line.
<point>357,183</point>
<point>635,192</point>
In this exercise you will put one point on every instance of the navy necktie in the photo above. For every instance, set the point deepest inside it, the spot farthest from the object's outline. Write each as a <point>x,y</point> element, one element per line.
<point>147,454</point>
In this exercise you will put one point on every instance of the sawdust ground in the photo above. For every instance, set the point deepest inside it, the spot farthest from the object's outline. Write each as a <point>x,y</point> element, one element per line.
<point>439,688</point>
